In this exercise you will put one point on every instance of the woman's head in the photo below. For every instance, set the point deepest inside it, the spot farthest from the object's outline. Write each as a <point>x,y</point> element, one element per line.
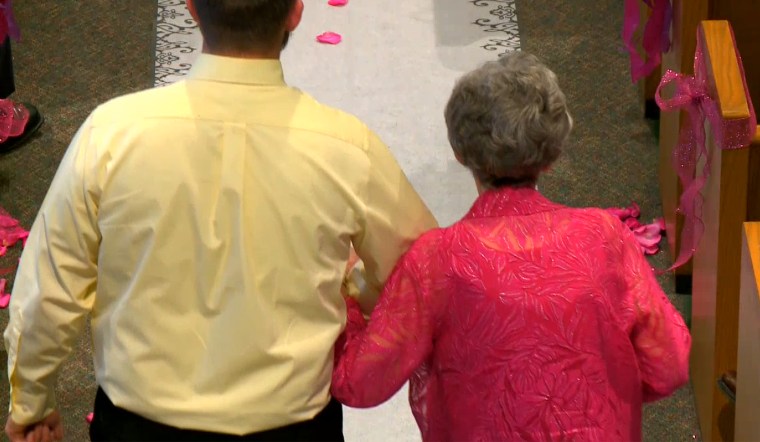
<point>508,120</point>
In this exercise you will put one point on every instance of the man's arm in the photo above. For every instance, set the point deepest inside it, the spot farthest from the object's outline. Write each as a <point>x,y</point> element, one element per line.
<point>55,285</point>
<point>394,216</point>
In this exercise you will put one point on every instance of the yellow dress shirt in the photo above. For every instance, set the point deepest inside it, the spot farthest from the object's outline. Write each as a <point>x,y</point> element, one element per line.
<point>206,226</point>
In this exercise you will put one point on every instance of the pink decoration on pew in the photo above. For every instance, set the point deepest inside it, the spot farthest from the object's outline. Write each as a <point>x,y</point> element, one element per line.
<point>648,235</point>
<point>329,38</point>
<point>693,95</point>
<point>337,2</point>
<point>656,35</point>
<point>8,26</point>
<point>90,417</point>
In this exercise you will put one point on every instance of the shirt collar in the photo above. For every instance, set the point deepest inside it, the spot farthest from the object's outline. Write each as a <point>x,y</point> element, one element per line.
<point>510,201</point>
<point>267,72</point>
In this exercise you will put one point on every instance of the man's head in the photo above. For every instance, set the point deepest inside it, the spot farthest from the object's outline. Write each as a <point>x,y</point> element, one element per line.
<point>246,27</point>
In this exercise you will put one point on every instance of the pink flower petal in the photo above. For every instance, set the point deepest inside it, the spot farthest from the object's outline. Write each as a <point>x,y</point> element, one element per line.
<point>647,241</point>
<point>651,250</point>
<point>5,298</point>
<point>337,2</point>
<point>648,230</point>
<point>635,210</point>
<point>89,418</point>
<point>660,222</point>
<point>632,223</point>
<point>329,38</point>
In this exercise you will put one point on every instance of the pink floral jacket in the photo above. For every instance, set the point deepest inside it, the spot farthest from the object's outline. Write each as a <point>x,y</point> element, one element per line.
<point>526,320</point>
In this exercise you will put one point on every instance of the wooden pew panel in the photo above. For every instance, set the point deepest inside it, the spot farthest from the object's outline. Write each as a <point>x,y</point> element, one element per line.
<point>745,19</point>
<point>748,368</point>
<point>730,199</point>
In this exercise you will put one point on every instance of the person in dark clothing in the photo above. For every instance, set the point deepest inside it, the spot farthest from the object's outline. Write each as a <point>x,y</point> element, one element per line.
<point>18,121</point>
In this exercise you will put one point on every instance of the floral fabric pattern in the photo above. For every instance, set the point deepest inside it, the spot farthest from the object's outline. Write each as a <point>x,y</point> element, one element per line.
<point>526,320</point>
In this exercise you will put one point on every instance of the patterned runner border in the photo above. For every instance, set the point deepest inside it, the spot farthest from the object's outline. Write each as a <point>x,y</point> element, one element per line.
<point>177,36</point>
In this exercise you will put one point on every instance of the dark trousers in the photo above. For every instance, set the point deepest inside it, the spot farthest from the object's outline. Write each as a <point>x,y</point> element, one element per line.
<point>114,424</point>
<point>7,85</point>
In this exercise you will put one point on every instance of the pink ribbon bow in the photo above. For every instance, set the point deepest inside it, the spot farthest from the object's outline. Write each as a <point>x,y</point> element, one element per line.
<point>693,95</point>
<point>8,24</point>
<point>655,39</point>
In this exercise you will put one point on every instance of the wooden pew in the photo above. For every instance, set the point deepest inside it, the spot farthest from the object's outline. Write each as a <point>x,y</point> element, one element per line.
<point>747,424</point>
<point>743,15</point>
<point>730,199</point>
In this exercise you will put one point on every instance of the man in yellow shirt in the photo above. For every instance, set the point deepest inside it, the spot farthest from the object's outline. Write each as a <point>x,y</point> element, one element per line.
<point>205,227</point>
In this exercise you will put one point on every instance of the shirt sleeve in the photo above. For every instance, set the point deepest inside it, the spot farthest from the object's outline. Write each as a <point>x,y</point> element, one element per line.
<point>394,216</point>
<point>660,337</point>
<point>373,360</point>
<point>54,286</point>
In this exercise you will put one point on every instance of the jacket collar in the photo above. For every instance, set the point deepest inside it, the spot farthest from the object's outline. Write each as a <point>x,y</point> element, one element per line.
<point>510,201</point>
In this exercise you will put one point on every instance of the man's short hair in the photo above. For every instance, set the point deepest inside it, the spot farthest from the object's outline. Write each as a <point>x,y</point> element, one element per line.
<point>242,25</point>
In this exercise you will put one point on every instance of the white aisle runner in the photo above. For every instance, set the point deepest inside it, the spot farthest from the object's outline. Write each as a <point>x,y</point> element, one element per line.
<point>394,70</point>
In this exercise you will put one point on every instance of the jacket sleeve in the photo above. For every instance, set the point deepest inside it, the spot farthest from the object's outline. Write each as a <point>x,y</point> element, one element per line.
<point>373,360</point>
<point>660,337</point>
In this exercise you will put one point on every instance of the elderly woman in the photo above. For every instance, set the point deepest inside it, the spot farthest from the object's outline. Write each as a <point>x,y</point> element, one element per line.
<point>526,320</point>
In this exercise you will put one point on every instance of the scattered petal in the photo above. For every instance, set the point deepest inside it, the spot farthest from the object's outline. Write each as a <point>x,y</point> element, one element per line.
<point>329,38</point>
<point>635,210</point>
<point>5,298</point>
<point>647,235</point>
<point>647,230</point>
<point>337,2</point>
<point>632,223</point>
<point>651,250</point>
<point>90,417</point>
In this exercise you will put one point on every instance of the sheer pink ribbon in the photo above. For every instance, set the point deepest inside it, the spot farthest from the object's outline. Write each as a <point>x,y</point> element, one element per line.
<point>693,95</point>
<point>8,24</point>
<point>655,39</point>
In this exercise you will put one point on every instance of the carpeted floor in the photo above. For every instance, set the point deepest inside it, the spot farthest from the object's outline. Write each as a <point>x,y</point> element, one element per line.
<point>73,56</point>
<point>77,54</point>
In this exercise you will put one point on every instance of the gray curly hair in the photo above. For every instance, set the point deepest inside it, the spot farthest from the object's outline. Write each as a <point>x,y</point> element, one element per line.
<point>508,120</point>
